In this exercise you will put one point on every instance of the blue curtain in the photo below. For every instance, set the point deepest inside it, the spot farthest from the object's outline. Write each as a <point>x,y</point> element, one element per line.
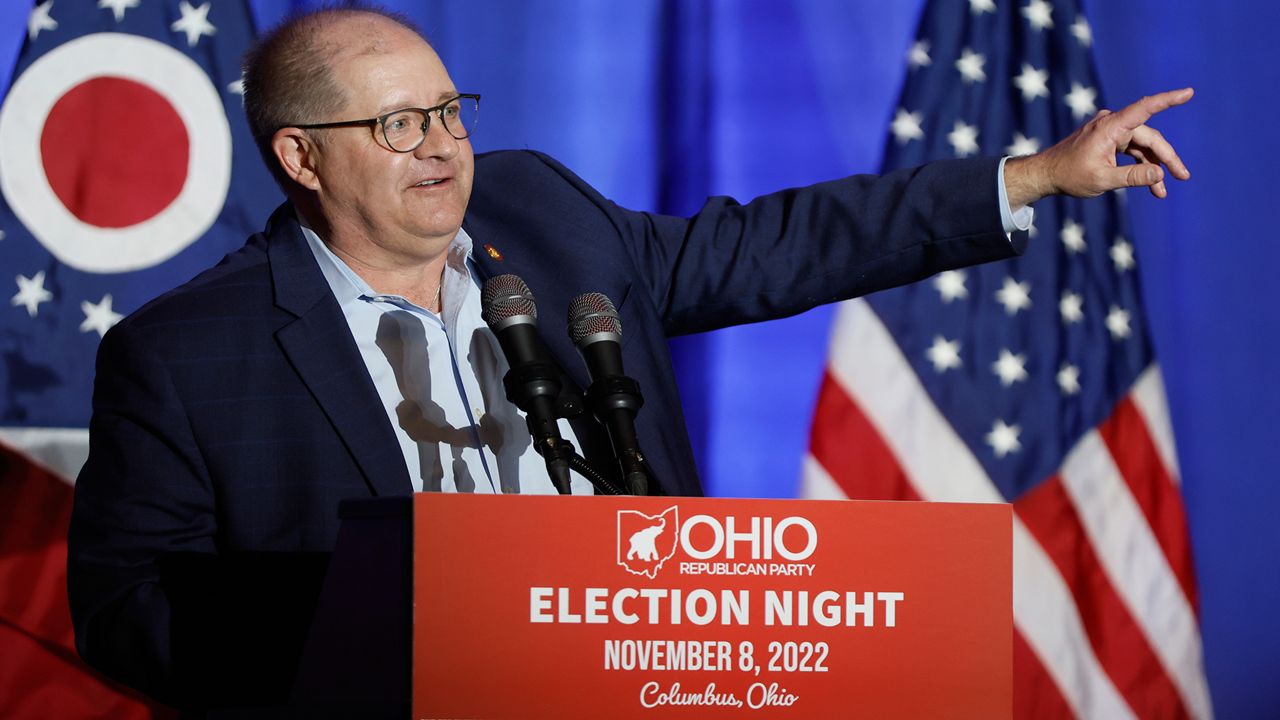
<point>660,103</point>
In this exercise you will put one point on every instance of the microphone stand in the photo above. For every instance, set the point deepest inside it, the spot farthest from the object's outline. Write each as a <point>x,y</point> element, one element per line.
<point>538,385</point>
<point>614,395</point>
<point>560,455</point>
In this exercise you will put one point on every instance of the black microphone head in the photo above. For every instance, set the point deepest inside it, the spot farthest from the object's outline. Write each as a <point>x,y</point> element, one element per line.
<point>506,300</point>
<point>593,318</point>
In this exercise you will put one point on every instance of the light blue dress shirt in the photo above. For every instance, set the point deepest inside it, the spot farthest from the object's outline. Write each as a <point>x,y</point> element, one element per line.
<point>1020,220</point>
<point>440,379</point>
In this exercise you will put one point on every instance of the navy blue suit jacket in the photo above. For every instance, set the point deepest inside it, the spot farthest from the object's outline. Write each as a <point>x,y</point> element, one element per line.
<point>234,413</point>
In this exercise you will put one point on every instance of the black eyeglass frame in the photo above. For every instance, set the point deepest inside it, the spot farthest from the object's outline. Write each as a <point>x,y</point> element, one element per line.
<point>438,111</point>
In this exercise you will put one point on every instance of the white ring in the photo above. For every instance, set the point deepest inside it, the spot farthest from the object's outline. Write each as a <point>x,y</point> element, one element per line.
<point>157,66</point>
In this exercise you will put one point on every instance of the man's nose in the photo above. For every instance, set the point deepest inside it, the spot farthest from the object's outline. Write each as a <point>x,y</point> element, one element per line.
<point>438,143</point>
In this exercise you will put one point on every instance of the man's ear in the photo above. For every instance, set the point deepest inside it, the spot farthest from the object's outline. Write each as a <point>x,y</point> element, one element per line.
<point>296,153</point>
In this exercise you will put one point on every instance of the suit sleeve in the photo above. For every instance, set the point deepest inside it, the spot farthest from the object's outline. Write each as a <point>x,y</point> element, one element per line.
<point>143,492</point>
<point>789,251</point>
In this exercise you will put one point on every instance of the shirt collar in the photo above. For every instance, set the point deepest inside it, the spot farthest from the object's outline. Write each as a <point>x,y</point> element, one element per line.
<point>347,285</point>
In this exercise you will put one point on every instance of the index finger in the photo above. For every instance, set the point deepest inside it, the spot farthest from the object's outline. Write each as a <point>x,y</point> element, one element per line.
<point>1137,114</point>
<point>1148,145</point>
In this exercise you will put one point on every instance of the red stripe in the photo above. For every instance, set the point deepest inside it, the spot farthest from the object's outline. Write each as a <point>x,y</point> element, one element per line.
<point>1035,695</point>
<point>851,450</point>
<point>1135,454</point>
<point>41,676</point>
<point>35,508</point>
<point>1117,641</point>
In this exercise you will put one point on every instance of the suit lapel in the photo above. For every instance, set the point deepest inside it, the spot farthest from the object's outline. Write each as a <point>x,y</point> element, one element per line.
<point>551,293</point>
<point>319,345</point>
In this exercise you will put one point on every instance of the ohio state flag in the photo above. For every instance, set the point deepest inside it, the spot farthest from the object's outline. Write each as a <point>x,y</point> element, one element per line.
<point>126,166</point>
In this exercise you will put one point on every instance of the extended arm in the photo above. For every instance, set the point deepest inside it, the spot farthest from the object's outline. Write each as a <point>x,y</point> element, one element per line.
<point>789,251</point>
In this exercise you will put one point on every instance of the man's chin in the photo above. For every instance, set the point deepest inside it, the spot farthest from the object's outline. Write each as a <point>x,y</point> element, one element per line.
<point>436,217</point>
<point>439,232</point>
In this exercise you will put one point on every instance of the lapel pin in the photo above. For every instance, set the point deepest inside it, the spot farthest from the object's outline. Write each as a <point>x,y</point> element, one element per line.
<point>493,252</point>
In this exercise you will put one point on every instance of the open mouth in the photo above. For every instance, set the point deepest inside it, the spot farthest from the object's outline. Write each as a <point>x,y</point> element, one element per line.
<point>431,183</point>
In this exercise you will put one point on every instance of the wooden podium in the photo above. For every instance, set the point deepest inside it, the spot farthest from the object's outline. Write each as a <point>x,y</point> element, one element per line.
<point>471,606</point>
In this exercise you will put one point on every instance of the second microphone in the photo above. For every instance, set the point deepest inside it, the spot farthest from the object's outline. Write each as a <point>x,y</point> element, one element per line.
<point>613,397</point>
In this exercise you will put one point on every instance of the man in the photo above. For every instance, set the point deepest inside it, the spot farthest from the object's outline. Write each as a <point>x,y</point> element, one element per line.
<point>340,353</point>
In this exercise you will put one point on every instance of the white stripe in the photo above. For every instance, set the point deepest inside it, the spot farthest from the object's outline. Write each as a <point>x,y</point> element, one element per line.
<point>1137,567</point>
<point>868,364</point>
<point>60,450</point>
<point>816,483</point>
<point>1148,395</point>
<point>1046,615</point>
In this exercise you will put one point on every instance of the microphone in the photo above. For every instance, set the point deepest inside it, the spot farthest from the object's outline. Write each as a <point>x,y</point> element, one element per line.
<point>533,382</point>
<point>613,397</point>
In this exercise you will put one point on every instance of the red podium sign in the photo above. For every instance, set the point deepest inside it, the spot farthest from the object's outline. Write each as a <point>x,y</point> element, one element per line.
<point>594,607</point>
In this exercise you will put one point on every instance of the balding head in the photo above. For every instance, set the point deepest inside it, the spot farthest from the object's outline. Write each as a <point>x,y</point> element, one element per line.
<point>289,73</point>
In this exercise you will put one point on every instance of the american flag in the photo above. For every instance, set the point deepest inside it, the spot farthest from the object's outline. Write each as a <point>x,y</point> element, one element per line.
<point>1031,381</point>
<point>126,167</point>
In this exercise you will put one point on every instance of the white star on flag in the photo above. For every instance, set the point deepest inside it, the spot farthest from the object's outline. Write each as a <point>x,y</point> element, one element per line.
<point>1122,255</point>
<point>39,19</point>
<point>918,55</point>
<point>100,316</point>
<point>1082,101</point>
<point>1010,367</point>
<point>977,7</point>
<point>31,293</point>
<point>906,126</point>
<point>1071,306</point>
<point>1082,32</point>
<point>944,354</point>
<point>1014,295</point>
<point>1003,438</point>
<point>1022,145</point>
<point>1032,82</point>
<point>194,22</point>
<point>970,66</point>
<point>950,285</point>
<point>1073,236</point>
<point>1069,379</point>
<point>1039,13</point>
<point>964,139</point>
<point>118,7</point>
<point>1118,323</point>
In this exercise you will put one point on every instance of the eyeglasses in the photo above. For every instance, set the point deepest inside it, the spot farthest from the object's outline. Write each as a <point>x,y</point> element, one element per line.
<point>405,129</point>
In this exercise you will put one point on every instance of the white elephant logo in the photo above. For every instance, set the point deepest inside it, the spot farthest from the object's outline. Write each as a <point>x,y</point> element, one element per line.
<point>646,542</point>
<point>642,542</point>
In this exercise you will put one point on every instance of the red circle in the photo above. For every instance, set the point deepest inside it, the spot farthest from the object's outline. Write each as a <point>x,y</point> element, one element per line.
<point>115,152</point>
